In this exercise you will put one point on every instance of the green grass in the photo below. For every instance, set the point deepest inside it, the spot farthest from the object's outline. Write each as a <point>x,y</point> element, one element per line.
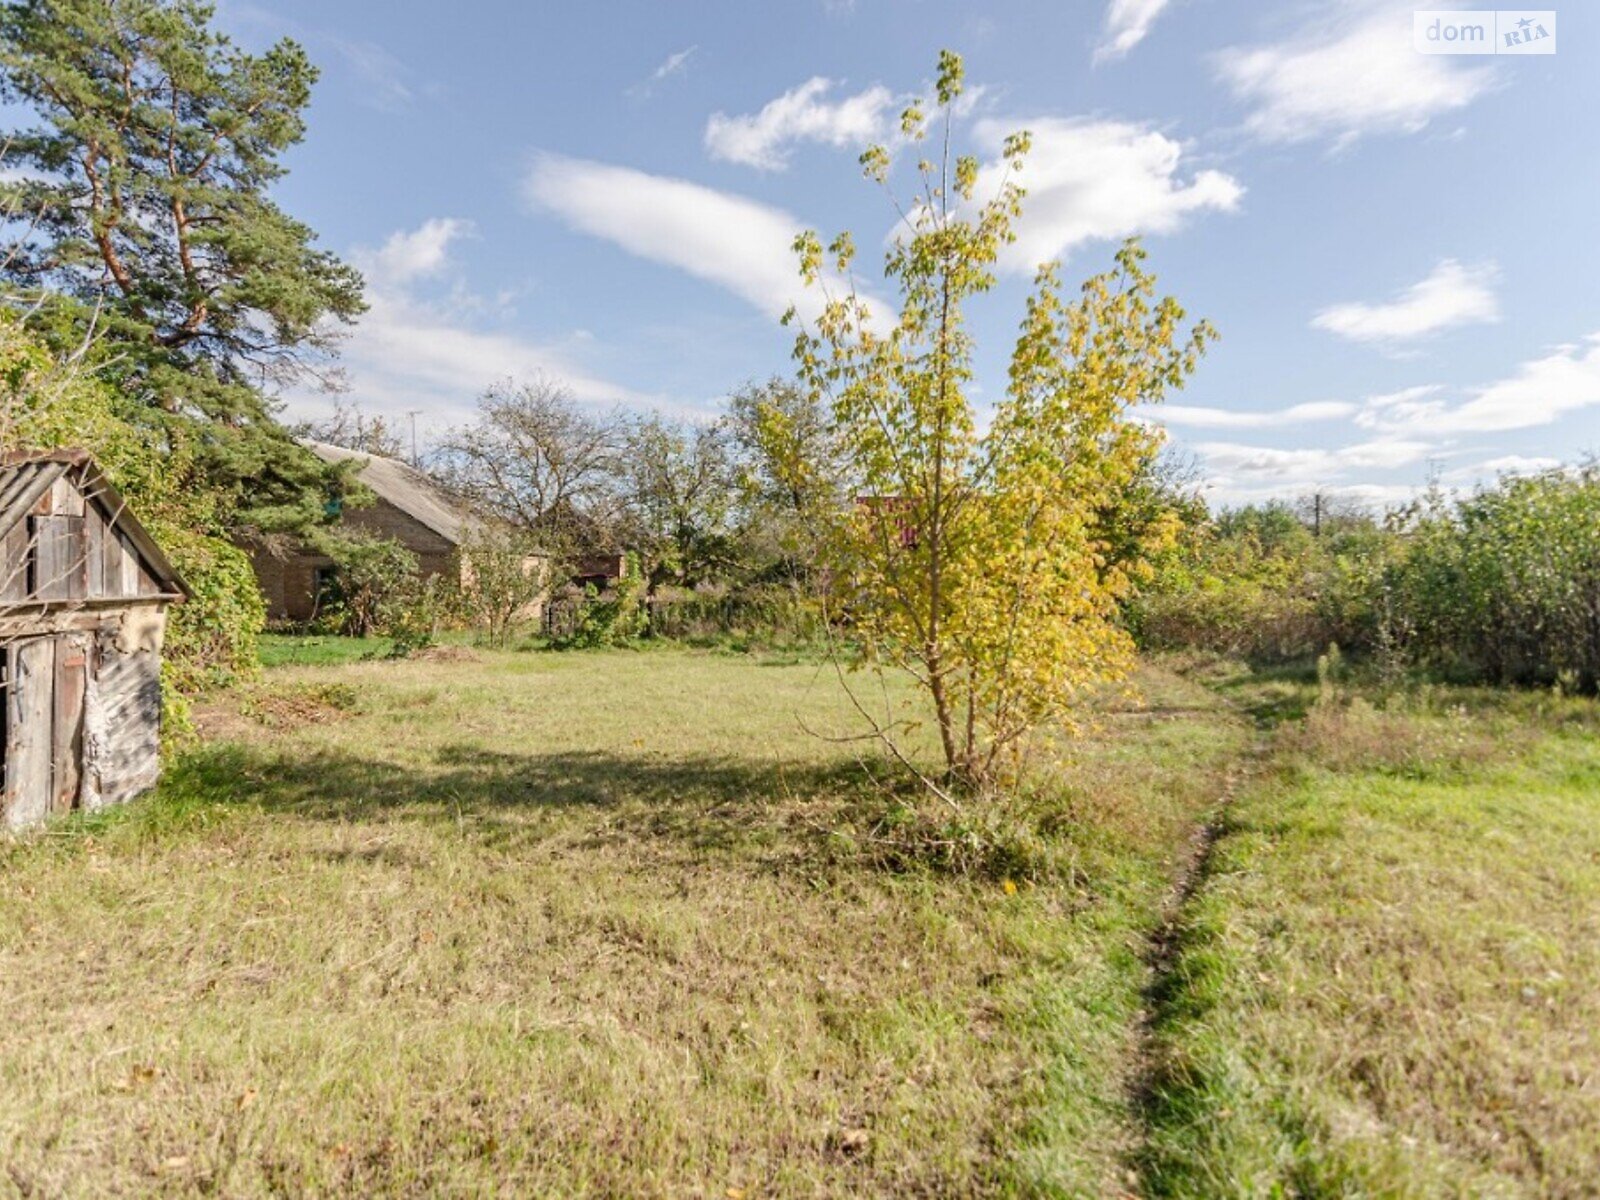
<point>580,924</point>
<point>613,924</point>
<point>294,649</point>
<point>1389,984</point>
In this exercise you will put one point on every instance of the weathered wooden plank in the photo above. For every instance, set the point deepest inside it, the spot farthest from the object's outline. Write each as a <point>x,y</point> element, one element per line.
<point>27,622</point>
<point>128,567</point>
<point>67,733</point>
<point>94,540</point>
<point>60,571</point>
<point>111,560</point>
<point>14,563</point>
<point>28,749</point>
<point>66,500</point>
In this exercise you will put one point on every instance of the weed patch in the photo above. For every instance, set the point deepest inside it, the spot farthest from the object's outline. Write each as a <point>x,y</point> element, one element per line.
<point>1416,740</point>
<point>287,705</point>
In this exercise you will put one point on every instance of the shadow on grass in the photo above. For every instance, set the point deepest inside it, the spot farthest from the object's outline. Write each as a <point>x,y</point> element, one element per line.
<point>702,802</point>
<point>1270,708</point>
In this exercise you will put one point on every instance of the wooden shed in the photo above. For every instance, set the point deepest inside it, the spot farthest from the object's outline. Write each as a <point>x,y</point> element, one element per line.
<point>83,602</point>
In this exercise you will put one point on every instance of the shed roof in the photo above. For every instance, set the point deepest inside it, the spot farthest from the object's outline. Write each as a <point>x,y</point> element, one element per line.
<point>26,475</point>
<point>408,489</point>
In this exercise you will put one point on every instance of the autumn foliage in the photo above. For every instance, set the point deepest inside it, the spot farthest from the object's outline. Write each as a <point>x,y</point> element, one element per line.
<point>1004,603</point>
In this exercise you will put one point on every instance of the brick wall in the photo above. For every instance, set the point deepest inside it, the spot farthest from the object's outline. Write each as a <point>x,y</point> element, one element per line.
<point>289,585</point>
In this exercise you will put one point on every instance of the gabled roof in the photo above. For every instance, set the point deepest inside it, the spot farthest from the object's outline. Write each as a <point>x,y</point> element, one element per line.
<point>408,489</point>
<point>26,475</point>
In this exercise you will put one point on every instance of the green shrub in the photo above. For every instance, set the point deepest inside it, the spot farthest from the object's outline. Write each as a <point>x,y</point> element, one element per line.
<point>1502,586</point>
<point>1505,586</point>
<point>212,637</point>
<point>375,579</point>
<point>47,403</point>
<point>612,618</point>
<point>772,612</point>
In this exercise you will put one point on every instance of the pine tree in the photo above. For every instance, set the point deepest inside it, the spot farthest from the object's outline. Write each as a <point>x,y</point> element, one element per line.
<point>143,184</point>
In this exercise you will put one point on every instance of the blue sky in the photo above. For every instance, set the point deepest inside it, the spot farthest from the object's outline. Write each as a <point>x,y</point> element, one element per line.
<point>1399,250</point>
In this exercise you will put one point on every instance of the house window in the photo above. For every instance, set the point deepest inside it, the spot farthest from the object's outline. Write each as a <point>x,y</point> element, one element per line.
<point>325,586</point>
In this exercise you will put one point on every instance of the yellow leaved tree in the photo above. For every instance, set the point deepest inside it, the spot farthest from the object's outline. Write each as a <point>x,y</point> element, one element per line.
<point>989,559</point>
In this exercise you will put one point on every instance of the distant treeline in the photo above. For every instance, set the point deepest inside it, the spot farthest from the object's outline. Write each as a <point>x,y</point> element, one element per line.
<point>1500,587</point>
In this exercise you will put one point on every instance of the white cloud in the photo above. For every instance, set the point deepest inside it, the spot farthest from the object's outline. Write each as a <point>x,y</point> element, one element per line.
<point>1127,24</point>
<point>1506,464</point>
<point>408,352</point>
<point>673,64</point>
<point>414,253</point>
<point>1451,295</point>
<point>1200,417</point>
<point>1094,179</point>
<point>1408,408</point>
<point>802,114</point>
<point>733,242</point>
<point>1226,493</point>
<point>1237,473</point>
<point>1539,392</point>
<point>383,77</point>
<point>1311,463</point>
<point>1349,74</point>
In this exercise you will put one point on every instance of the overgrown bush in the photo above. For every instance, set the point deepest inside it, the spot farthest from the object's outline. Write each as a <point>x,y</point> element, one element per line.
<point>211,637</point>
<point>373,583</point>
<point>776,613</point>
<point>413,618</point>
<point>1505,585</point>
<point>47,403</point>
<point>1502,586</point>
<point>505,578</point>
<point>592,618</point>
<point>1237,618</point>
<point>1010,837</point>
<point>1257,584</point>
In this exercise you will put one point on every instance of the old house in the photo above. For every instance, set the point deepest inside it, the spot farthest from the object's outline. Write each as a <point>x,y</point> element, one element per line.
<point>83,605</point>
<point>409,508</point>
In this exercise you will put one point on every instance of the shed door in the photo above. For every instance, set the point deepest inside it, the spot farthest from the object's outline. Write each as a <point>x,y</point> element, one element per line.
<point>66,751</point>
<point>44,726</point>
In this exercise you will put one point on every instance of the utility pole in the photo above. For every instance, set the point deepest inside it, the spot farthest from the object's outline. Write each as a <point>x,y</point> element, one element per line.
<point>412,413</point>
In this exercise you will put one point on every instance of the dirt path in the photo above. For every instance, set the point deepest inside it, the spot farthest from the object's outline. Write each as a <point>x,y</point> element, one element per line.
<point>1165,946</point>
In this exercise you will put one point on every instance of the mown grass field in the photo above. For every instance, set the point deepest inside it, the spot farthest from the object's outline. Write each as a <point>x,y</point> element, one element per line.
<point>615,924</point>
<point>602,924</point>
<point>1389,981</point>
